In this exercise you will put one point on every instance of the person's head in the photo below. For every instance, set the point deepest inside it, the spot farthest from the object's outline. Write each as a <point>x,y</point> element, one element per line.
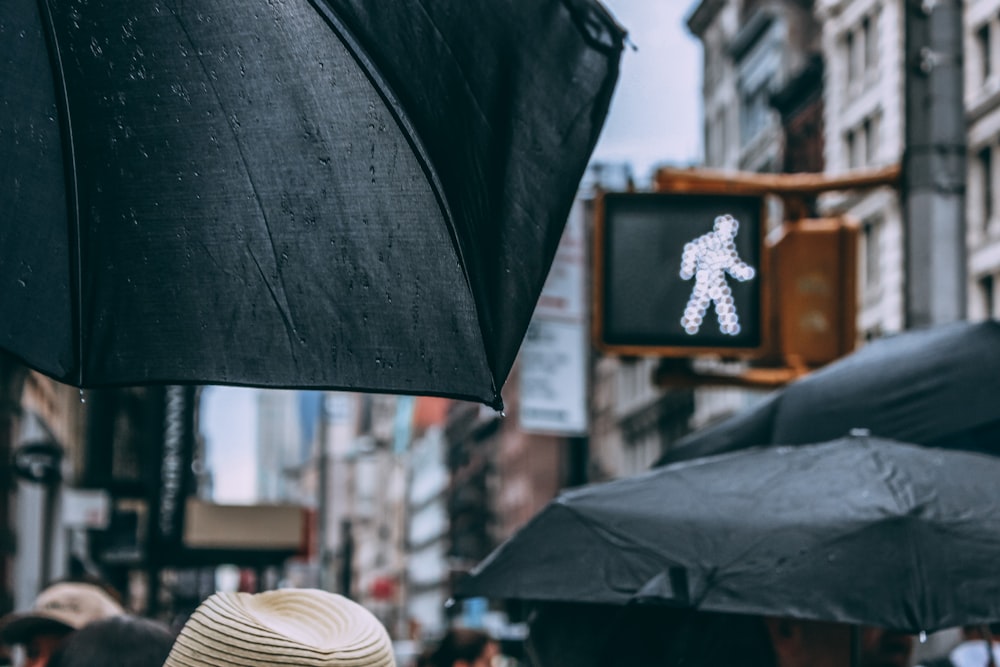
<point>990,632</point>
<point>704,639</point>
<point>885,648</point>
<point>59,610</point>
<point>424,658</point>
<point>295,627</point>
<point>569,635</point>
<point>799,643</point>
<point>641,635</point>
<point>121,641</point>
<point>465,647</point>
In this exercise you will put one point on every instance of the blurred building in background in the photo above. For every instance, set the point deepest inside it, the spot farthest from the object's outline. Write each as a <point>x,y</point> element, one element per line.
<point>427,583</point>
<point>402,496</point>
<point>51,416</point>
<point>982,104</point>
<point>279,443</point>
<point>862,45</point>
<point>372,552</point>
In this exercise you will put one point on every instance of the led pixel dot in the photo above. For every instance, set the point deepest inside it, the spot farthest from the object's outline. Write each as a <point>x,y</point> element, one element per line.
<point>708,259</point>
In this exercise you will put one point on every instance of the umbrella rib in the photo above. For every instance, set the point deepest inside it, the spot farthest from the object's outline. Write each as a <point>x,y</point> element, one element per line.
<point>420,152</point>
<point>73,190</point>
<point>280,300</point>
<point>600,530</point>
<point>285,317</point>
<point>458,64</point>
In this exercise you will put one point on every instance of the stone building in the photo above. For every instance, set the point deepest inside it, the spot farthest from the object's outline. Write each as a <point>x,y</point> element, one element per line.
<point>982,105</point>
<point>863,112</point>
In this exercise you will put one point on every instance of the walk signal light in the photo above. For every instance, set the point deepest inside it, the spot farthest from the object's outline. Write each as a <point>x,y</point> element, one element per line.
<point>678,274</point>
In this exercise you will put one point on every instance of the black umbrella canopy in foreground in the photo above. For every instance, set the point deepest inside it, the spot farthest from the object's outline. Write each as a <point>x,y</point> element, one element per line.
<point>303,193</point>
<point>858,530</point>
<point>936,387</point>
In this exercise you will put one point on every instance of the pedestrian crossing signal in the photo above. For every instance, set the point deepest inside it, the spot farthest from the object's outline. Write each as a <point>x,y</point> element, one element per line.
<point>680,274</point>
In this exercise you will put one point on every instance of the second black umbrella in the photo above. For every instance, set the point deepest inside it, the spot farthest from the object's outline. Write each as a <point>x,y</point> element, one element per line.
<point>860,530</point>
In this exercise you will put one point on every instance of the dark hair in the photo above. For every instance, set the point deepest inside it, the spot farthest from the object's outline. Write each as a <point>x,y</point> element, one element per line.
<point>121,641</point>
<point>722,639</point>
<point>643,635</point>
<point>425,658</point>
<point>459,644</point>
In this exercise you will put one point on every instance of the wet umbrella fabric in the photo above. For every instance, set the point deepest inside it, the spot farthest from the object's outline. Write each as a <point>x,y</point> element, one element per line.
<point>292,193</point>
<point>937,387</point>
<point>860,530</point>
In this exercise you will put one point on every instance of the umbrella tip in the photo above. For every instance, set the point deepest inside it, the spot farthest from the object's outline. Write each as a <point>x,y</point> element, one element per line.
<point>497,404</point>
<point>860,433</point>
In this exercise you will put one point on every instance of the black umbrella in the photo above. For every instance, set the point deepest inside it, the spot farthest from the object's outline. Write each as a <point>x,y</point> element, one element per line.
<point>290,193</point>
<point>937,387</point>
<point>860,530</point>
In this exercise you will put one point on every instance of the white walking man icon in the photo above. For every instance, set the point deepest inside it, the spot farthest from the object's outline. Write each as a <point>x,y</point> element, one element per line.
<point>707,259</point>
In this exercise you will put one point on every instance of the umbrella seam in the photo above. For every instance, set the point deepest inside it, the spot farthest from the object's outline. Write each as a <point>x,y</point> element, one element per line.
<point>282,304</point>
<point>592,527</point>
<point>72,191</point>
<point>409,131</point>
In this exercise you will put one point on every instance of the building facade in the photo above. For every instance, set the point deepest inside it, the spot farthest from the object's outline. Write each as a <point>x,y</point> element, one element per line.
<point>51,413</point>
<point>427,581</point>
<point>982,105</point>
<point>864,117</point>
<point>279,448</point>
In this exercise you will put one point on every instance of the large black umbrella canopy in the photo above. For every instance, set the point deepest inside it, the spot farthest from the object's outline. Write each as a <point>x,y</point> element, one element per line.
<point>290,193</point>
<point>858,530</point>
<point>936,387</point>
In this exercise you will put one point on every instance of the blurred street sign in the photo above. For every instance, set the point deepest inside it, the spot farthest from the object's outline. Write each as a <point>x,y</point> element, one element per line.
<point>248,527</point>
<point>553,378</point>
<point>86,508</point>
<point>39,462</point>
<point>554,355</point>
<point>175,477</point>
<point>680,274</point>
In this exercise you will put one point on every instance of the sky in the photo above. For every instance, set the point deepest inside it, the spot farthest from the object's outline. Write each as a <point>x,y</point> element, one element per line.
<point>655,114</point>
<point>229,426</point>
<point>655,118</point>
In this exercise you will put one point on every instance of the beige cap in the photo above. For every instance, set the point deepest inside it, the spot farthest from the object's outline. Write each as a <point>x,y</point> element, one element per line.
<point>59,608</point>
<point>289,627</point>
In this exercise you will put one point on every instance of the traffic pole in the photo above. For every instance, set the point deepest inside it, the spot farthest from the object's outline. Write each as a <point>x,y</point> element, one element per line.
<point>934,160</point>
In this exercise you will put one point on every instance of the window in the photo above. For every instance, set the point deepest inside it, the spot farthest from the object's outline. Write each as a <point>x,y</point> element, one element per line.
<point>852,73</point>
<point>871,238</point>
<point>717,140</point>
<point>869,28</point>
<point>713,65</point>
<point>754,114</point>
<point>866,43</point>
<point>866,138</point>
<point>869,132</point>
<point>729,118</point>
<point>985,159</point>
<point>987,296</point>
<point>850,149</point>
<point>983,49</point>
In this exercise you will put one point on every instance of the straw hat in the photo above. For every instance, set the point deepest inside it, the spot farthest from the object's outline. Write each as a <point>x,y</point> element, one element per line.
<point>58,609</point>
<point>292,627</point>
